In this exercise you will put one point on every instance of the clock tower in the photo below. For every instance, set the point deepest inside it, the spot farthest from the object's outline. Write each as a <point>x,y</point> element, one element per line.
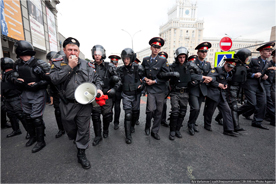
<point>182,29</point>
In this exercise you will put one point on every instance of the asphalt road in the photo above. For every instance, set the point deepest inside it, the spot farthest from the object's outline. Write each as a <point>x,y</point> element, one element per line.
<point>209,156</point>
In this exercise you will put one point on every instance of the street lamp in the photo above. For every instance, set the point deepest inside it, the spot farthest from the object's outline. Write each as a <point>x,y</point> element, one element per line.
<point>131,36</point>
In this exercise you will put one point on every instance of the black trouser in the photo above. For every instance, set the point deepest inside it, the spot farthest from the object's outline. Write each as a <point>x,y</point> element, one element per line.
<point>256,100</point>
<point>195,105</point>
<point>164,113</point>
<point>270,106</point>
<point>57,111</point>
<point>209,109</point>
<point>117,107</point>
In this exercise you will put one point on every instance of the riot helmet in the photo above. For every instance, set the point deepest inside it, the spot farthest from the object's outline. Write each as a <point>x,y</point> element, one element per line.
<point>23,48</point>
<point>244,55</point>
<point>6,63</point>
<point>128,52</point>
<point>51,55</point>
<point>59,54</point>
<point>98,49</point>
<point>180,51</point>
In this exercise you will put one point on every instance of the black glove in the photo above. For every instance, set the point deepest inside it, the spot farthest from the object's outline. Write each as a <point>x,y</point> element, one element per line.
<point>38,70</point>
<point>111,93</point>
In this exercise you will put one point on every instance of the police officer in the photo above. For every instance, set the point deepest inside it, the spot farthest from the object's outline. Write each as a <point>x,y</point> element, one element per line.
<point>192,58</point>
<point>53,90</point>
<point>107,72</point>
<point>235,85</point>
<point>216,97</point>
<point>117,98</point>
<point>69,74</point>
<point>270,90</point>
<point>32,78</point>
<point>156,88</point>
<point>137,61</point>
<point>198,88</point>
<point>130,75</point>
<point>11,94</point>
<point>180,92</point>
<point>164,113</point>
<point>254,86</point>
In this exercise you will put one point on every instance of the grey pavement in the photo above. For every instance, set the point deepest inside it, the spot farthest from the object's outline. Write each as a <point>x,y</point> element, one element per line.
<point>209,156</point>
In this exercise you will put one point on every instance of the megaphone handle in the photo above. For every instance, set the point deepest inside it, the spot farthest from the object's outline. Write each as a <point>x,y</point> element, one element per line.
<point>98,95</point>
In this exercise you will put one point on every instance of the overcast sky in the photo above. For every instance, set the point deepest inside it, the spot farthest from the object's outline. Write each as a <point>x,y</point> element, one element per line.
<point>101,21</point>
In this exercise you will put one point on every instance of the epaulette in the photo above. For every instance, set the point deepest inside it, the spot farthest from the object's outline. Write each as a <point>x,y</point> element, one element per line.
<point>91,65</point>
<point>57,59</point>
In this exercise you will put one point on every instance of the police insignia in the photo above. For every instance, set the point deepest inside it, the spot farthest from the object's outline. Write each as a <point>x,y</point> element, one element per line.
<point>213,71</point>
<point>91,65</point>
<point>52,66</point>
<point>63,64</point>
<point>247,62</point>
<point>167,64</point>
<point>72,40</point>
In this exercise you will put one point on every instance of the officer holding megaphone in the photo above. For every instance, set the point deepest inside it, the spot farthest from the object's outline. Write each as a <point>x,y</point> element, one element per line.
<point>79,84</point>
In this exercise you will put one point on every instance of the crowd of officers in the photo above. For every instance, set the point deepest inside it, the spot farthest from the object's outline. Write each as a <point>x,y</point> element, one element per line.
<point>188,80</point>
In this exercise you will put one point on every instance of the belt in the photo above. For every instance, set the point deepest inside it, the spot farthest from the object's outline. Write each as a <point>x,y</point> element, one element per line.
<point>182,90</point>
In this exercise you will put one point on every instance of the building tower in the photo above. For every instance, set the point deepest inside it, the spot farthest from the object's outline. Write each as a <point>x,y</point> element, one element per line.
<point>182,28</point>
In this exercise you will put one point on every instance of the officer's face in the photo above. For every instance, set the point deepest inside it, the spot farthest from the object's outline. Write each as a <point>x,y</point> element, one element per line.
<point>126,61</point>
<point>181,59</point>
<point>25,58</point>
<point>227,68</point>
<point>71,49</point>
<point>202,54</point>
<point>98,56</point>
<point>266,53</point>
<point>155,50</point>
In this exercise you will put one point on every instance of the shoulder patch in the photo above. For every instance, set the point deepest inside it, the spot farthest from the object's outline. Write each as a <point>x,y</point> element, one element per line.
<point>167,63</point>
<point>247,62</point>
<point>91,65</point>
<point>213,71</point>
<point>52,66</point>
<point>63,64</point>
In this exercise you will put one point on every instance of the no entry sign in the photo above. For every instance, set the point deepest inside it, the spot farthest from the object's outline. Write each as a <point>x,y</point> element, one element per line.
<point>225,43</point>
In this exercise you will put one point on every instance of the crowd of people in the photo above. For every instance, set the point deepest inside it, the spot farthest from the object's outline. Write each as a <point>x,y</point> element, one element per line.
<point>189,80</point>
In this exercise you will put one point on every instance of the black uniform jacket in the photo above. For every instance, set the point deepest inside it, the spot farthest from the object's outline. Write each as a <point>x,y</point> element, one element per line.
<point>256,65</point>
<point>191,73</point>
<point>60,71</point>
<point>151,72</point>
<point>196,85</point>
<point>219,75</point>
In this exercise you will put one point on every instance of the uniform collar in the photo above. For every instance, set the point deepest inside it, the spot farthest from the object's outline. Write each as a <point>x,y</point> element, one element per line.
<point>28,62</point>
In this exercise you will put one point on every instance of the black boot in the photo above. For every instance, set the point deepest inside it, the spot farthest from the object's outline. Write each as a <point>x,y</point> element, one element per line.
<point>179,125</point>
<point>148,122</point>
<point>82,159</point>
<point>23,120</point>
<point>39,127</point>
<point>173,122</point>
<point>31,131</point>
<point>15,127</point>
<point>191,129</point>
<point>59,124</point>
<point>97,130</point>
<point>135,117</point>
<point>236,122</point>
<point>106,121</point>
<point>128,124</point>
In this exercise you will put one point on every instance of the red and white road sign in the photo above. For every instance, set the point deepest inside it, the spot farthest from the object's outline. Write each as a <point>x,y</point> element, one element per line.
<point>225,43</point>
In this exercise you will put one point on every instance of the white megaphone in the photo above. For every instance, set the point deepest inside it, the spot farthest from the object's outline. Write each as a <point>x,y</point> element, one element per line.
<point>85,93</point>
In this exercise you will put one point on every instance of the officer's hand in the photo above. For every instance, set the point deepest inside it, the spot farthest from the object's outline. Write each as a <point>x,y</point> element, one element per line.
<point>257,75</point>
<point>31,83</point>
<point>100,91</point>
<point>272,68</point>
<point>19,80</point>
<point>72,61</point>
<point>221,86</point>
<point>207,79</point>
<point>38,70</point>
<point>150,82</point>
<point>139,86</point>
<point>264,77</point>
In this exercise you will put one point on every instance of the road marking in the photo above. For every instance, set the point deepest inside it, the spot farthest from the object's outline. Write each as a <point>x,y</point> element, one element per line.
<point>189,172</point>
